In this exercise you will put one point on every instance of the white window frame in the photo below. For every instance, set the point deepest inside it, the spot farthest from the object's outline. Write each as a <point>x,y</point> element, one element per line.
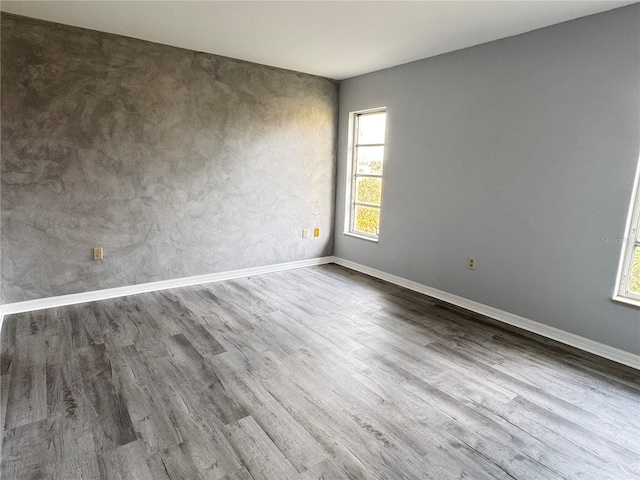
<point>630,242</point>
<point>350,202</point>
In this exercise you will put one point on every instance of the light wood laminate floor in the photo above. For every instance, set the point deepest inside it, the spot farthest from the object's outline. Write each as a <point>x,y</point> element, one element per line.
<point>305,374</point>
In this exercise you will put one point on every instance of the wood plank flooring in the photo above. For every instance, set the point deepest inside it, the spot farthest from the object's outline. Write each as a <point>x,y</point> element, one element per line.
<point>316,373</point>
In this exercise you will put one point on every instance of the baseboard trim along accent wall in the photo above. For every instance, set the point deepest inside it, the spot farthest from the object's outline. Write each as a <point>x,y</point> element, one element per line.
<point>72,299</point>
<point>552,333</point>
<point>561,336</point>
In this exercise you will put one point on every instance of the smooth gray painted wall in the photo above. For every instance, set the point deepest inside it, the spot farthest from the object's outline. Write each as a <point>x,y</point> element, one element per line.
<point>521,153</point>
<point>178,163</point>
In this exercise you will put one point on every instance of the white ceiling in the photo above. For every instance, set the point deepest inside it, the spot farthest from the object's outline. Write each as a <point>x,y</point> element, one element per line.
<point>335,39</point>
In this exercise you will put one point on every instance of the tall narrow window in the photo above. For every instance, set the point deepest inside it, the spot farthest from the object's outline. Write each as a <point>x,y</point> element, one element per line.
<point>628,284</point>
<point>366,165</point>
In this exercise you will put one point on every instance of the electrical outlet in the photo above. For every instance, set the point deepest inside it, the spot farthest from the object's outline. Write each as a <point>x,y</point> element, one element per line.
<point>471,263</point>
<point>316,232</point>
<point>305,233</point>
<point>98,254</point>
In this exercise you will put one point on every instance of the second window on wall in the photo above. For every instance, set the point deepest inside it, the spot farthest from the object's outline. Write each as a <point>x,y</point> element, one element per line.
<point>366,161</point>
<point>628,282</point>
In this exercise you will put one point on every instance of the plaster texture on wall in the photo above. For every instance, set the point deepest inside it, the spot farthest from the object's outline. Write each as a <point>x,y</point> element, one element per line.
<point>520,153</point>
<point>178,163</point>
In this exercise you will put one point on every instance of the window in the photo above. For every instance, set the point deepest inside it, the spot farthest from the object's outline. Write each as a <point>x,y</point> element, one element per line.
<point>364,191</point>
<point>628,284</point>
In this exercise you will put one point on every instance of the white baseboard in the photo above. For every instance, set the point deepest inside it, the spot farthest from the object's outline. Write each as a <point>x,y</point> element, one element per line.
<point>553,333</point>
<point>62,300</point>
<point>600,349</point>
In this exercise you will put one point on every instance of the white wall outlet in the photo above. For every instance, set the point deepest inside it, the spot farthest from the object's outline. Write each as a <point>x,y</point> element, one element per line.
<point>471,263</point>
<point>98,254</point>
<point>305,233</point>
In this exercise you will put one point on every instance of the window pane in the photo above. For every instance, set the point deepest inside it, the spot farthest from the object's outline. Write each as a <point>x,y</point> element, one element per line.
<point>369,160</point>
<point>634,280</point>
<point>371,127</point>
<point>369,190</point>
<point>367,220</point>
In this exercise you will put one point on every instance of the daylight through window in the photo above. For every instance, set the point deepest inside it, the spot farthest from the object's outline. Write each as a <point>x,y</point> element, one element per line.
<point>628,286</point>
<point>367,158</point>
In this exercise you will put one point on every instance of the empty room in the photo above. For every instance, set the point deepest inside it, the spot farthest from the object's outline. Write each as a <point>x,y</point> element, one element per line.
<point>320,240</point>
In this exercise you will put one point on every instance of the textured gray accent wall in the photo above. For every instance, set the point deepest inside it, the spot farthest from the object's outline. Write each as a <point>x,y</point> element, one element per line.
<point>521,153</point>
<point>178,163</point>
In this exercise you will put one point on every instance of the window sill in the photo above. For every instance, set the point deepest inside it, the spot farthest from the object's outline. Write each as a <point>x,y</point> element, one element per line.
<point>361,237</point>
<point>626,300</point>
